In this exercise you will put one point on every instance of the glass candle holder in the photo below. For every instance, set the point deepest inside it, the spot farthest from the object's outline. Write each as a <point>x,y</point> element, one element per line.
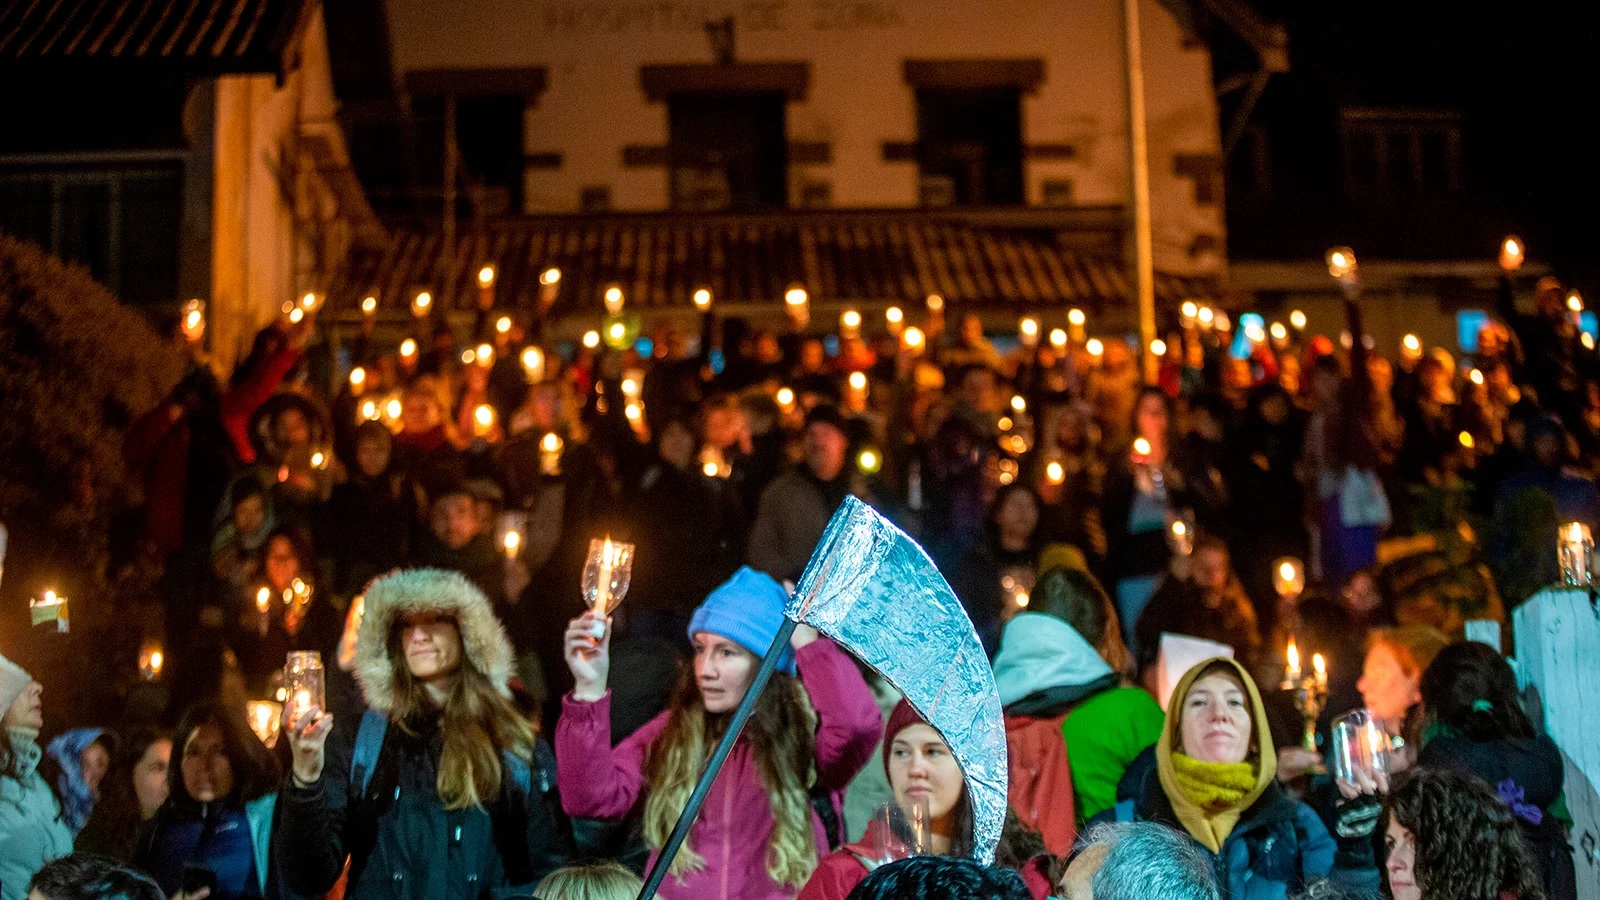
<point>606,574</point>
<point>1359,746</point>
<point>1574,544</point>
<point>304,682</point>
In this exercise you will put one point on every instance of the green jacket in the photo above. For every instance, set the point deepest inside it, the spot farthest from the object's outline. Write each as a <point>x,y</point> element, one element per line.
<point>1103,736</point>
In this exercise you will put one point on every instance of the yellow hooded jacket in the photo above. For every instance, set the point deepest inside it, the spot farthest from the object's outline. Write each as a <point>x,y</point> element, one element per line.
<point>1211,825</point>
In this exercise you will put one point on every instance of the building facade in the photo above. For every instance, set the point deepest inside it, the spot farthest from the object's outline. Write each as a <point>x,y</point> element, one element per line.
<point>996,114</point>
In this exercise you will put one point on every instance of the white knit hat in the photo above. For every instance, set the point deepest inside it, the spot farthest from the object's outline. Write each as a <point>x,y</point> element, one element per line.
<point>13,681</point>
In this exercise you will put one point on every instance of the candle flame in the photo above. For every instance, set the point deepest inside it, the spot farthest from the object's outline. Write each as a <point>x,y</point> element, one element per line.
<point>408,348</point>
<point>156,661</point>
<point>1076,317</point>
<point>1292,654</point>
<point>1319,665</point>
<point>502,325</point>
<point>369,305</point>
<point>895,315</point>
<point>1094,347</point>
<point>1054,473</point>
<point>702,299</point>
<point>785,397</point>
<point>914,338</point>
<point>1141,447</point>
<point>486,276</point>
<point>550,443</point>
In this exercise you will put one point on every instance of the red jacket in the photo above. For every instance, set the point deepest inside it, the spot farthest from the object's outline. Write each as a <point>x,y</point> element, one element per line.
<point>840,871</point>
<point>599,781</point>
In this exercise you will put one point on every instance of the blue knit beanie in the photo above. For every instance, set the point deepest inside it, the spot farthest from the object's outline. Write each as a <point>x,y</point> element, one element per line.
<point>748,610</point>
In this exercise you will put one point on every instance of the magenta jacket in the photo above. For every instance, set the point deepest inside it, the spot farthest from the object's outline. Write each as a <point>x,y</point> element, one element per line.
<point>599,781</point>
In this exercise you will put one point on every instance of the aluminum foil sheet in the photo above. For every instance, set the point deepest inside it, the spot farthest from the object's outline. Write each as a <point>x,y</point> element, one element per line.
<point>872,590</point>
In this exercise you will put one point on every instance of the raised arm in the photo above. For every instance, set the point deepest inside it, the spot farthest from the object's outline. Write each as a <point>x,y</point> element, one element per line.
<point>849,723</point>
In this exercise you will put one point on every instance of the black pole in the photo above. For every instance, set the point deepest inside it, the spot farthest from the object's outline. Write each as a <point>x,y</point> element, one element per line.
<point>680,831</point>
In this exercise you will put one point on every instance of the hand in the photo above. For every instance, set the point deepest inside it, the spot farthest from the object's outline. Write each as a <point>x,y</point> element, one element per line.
<point>200,894</point>
<point>589,657</point>
<point>308,740</point>
<point>804,636</point>
<point>1296,761</point>
<point>1363,782</point>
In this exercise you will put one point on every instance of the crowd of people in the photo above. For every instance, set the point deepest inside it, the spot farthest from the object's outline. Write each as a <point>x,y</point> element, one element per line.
<point>419,511</point>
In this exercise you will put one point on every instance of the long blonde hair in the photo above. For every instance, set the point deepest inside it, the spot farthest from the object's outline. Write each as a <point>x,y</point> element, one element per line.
<point>782,734</point>
<point>476,723</point>
<point>603,880</point>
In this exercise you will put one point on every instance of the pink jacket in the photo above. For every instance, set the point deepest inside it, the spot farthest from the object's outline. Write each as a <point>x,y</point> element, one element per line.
<point>599,781</point>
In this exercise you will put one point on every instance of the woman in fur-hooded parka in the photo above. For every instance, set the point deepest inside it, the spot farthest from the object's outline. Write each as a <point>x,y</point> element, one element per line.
<point>443,814</point>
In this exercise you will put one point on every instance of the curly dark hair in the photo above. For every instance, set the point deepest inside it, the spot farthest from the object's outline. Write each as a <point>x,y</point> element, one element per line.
<point>1468,845</point>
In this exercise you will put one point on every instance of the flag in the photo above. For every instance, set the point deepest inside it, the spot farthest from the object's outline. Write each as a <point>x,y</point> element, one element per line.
<point>872,590</point>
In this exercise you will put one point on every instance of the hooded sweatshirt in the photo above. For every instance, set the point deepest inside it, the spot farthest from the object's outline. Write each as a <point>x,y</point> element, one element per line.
<point>77,801</point>
<point>1262,844</point>
<point>1045,668</point>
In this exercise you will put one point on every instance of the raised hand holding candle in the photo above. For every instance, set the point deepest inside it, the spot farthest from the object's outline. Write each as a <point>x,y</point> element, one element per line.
<point>1572,554</point>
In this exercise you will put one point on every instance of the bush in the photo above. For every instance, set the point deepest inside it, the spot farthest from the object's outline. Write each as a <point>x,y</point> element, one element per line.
<point>76,368</point>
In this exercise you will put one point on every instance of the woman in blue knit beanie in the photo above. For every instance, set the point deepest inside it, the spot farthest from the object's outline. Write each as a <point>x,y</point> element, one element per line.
<point>759,834</point>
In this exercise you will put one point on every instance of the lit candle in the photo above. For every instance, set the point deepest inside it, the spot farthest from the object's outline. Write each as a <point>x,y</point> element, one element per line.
<point>358,380</point>
<point>533,364</point>
<point>302,702</point>
<point>1297,318</point>
<point>1095,348</point>
<point>1319,670</point>
<point>486,277</point>
<point>1077,319</point>
<point>896,319</point>
<point>1028,331</point>
<point>614,300</point>
<point>550,454</point>
<point>1141,450</point>
<point>1292,654</point>
<point>935,304</point>
<point>513,543</point>
<point>194,320</point>
<point>850,323</point>
<point>602,594</point>
<point>421,303</point>
<point>785,398</point>
<point>1054,473</point>
<point>369,306</point>
<point>408,351</point>
<point>1411,347</point>
<point>502,325</point>
<point>1288,577</point>
<point>913,339</point>
<point>1058,338</point>
<point>702,299</point>
<point>483,420</point>
<point>869,461</point>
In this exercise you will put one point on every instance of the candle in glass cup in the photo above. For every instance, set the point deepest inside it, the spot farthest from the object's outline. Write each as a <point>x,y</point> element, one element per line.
<point>304,682</point>
<point>1288,577</point>
<point>606,574</point>
<point>1573,548</point>
<point>550,454</point>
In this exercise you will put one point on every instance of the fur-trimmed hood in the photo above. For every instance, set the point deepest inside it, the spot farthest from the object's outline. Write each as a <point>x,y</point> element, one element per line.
<point>485,646</point>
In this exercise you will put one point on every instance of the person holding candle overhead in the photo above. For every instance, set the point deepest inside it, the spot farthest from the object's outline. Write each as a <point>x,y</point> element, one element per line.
<point>1214,779</point>
<point>1141,492</point>
<point>767,819</point>
<point>448,790</point>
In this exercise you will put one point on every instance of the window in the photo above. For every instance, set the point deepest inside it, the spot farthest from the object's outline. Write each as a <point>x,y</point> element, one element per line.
<point>482,109</point>
<point>488,135</point>
<point>727,150</point>
<point>122,224</point>
<point>969,145</point>
<point>1392,156</point>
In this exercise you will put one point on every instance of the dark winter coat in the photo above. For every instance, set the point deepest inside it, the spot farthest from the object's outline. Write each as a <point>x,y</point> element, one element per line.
<point>403,843</point>
<point>231,840</point>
